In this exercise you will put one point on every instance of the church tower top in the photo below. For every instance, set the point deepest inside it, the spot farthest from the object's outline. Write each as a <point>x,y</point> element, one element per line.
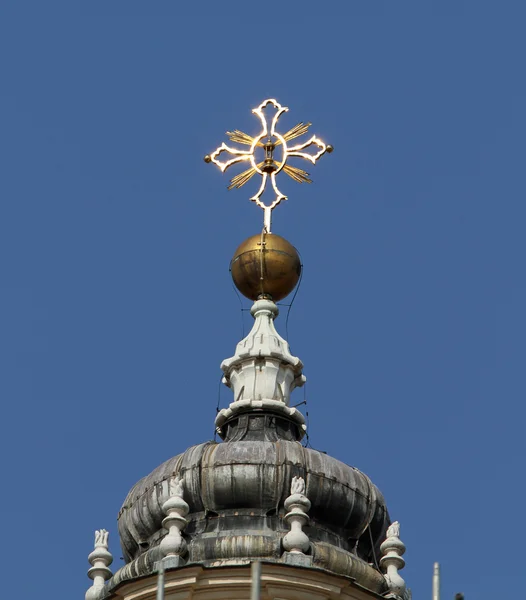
<point>315,526</point>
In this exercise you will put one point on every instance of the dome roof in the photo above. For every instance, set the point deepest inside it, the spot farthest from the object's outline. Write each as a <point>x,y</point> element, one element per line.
<point>237,495</point>
<point>260,495</point>
<point>236,492</point>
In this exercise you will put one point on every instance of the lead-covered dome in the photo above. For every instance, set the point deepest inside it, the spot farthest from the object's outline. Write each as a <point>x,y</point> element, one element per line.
<point>236,493</point>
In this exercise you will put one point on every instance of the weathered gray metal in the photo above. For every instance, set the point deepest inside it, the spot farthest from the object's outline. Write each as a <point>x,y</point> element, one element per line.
<point>236,493</point>
<point>436,582</point>
<point>160,581</point>
<point>255,588</point>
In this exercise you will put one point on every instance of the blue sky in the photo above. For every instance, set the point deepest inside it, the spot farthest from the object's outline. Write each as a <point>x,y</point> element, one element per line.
<point>117,306</point>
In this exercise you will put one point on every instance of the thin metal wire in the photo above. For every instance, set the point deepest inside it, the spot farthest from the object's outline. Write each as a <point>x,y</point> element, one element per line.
<point>293,298</point>
<point>307,443</point>
<point>261,258</point>
<point>240,305</point>
<point>299,404</point>
<point>218,402</point>
<point>307,436</point>
<point>372,547</point>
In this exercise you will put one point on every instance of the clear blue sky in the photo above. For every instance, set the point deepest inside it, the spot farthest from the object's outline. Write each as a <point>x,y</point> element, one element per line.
<point>115,240</point>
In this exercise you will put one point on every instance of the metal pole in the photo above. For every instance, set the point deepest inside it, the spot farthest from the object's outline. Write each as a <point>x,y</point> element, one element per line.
<point>255,572</point>
<point>436,581</point>
<point>160,581</point>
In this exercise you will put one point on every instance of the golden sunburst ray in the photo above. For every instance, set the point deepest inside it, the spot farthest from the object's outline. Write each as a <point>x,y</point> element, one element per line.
<point>241,138</point>
<point>298,175</point>
<point>240,180</point>
<point>295,132</point>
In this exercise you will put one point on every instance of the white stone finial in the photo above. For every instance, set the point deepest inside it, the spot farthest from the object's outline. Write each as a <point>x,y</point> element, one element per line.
<point>176,487</point>
<point>297,505</point>
<point>297,486</point>
<point>391,562</point>
<point>100,560</point>
<point>393,530</point>
<point>176,509</point>
<point>263,372</point>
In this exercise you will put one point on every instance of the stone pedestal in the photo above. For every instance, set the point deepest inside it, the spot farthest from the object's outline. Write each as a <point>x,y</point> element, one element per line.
<point>297,559</point>
<point>170,562</point>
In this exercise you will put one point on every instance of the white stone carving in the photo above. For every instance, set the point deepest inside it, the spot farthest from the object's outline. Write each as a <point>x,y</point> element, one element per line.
<point>297,505</point>
<point>393,530</point>
<point>297,486</point>
<point>101,538</point>
<point>263,372</point>
<point>176,509</point>
<point>176,487</point>
<point>100,559</point>
<point>391,562</point>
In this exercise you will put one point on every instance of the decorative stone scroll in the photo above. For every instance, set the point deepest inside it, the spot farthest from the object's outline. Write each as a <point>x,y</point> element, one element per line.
<point>100,560</point>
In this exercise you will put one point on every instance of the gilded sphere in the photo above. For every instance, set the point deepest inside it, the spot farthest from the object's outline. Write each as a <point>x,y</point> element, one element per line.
<point>266,265</point>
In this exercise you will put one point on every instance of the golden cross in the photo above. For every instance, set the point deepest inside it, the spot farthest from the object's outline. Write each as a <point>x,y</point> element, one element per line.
<point>268,139</point>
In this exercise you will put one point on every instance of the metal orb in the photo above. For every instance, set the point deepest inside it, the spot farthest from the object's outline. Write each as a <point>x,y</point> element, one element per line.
<point>266,265</point>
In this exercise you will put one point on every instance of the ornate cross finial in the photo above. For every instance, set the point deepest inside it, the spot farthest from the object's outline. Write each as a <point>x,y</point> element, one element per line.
<point>269,140</point>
